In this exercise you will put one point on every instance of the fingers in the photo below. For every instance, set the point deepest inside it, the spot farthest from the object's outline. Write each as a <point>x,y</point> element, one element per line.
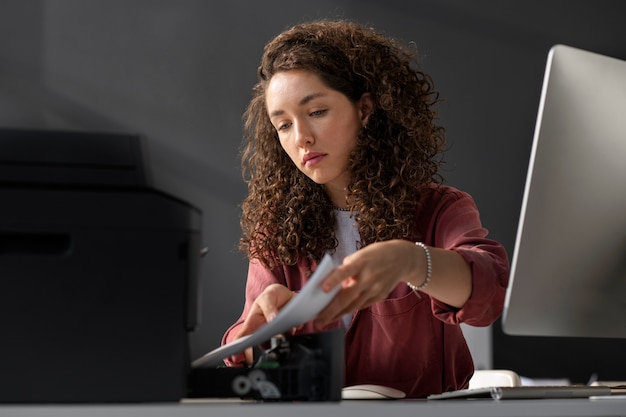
<point>366,277</point>
<point>265,308</point>
<point>366,259</point>
<point>337,276</point>
<point>355,295</point>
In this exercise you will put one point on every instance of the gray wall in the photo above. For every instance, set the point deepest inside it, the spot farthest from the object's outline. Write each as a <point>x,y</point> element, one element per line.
<point>179,73</point>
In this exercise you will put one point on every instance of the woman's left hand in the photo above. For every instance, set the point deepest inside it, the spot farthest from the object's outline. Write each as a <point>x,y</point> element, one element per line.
<point>368,276</point>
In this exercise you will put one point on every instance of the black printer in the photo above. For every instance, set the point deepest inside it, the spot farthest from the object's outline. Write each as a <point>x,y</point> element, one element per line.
<point>98,272</point>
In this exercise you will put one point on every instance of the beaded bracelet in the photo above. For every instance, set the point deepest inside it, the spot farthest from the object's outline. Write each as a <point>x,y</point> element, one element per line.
<point>429,270</point>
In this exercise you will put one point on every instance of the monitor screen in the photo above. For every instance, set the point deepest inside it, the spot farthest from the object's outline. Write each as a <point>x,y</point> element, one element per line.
<point>568,271</point>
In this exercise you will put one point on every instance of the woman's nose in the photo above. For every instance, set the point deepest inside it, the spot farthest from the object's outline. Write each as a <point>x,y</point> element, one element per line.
<point>304,134</point>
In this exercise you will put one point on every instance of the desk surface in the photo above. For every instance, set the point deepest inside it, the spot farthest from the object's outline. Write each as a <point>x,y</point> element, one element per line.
<point>466,408</point>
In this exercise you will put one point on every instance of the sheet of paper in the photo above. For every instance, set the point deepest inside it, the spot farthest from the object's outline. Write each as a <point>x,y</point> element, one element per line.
<point>302,308</point>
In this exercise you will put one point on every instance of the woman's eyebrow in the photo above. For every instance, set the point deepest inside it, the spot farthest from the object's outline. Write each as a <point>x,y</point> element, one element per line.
<point>302,102</point>
<point>310,97</point>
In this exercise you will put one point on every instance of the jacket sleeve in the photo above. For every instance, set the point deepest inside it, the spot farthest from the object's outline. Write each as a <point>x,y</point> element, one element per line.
<point>457,226</point>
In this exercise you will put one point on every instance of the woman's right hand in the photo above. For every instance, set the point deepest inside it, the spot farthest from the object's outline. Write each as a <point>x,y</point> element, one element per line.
<point>264,309</point>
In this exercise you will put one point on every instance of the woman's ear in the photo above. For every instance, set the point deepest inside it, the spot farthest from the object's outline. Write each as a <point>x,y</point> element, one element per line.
<point>366,107</point>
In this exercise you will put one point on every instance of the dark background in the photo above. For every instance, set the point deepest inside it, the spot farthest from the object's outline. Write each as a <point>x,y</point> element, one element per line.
<point>179,74</point>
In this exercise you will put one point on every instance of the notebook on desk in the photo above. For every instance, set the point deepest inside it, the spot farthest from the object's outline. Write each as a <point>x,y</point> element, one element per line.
<point>525,392</point>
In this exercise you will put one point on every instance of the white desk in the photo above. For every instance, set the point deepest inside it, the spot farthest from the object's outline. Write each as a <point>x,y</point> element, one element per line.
<point>404,408</point>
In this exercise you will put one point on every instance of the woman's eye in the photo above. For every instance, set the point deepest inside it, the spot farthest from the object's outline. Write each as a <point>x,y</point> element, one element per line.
<point>318,112</point>
<point>284,126</point>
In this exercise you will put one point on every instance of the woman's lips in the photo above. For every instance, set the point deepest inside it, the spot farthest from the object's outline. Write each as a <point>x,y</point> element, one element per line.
<point>312,158</point>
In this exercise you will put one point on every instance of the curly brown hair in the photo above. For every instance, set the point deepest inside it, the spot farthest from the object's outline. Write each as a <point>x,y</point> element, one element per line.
<point>286,216</point>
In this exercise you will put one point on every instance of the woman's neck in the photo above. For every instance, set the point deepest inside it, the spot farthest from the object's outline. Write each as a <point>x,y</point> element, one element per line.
<point>337,194</point>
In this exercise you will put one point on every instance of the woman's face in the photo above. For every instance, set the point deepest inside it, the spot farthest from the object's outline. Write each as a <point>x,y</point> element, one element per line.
<point>317,127</point>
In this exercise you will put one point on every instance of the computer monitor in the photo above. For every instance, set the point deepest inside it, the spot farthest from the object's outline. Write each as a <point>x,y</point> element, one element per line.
<point>568,271</point>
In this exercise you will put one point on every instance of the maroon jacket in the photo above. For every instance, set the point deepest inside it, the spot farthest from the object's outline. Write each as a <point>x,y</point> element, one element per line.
<point>412,343</point>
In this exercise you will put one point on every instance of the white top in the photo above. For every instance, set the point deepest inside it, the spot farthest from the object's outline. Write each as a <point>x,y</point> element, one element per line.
<point>348,237</point>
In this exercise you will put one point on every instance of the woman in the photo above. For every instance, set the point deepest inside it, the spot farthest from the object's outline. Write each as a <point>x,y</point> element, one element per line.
<point>342,156</point>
